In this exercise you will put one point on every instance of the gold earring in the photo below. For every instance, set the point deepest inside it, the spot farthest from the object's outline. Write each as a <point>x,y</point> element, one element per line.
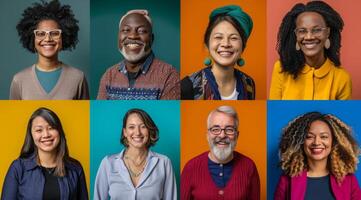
<point>327,43</point>
<point>297,46</point>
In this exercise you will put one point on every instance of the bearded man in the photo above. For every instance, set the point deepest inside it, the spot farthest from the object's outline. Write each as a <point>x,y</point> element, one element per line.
<point>140,76</point>
<point>221,173</point>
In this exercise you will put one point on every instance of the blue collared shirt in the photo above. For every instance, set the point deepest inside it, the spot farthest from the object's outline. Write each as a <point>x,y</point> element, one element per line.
<point>156,182</point>
<point>143,68</point>
<point>25,180</point>
<point>220,173</point>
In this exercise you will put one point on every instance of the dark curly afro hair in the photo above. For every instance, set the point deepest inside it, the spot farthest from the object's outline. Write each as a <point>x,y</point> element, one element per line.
<point>52,10</point>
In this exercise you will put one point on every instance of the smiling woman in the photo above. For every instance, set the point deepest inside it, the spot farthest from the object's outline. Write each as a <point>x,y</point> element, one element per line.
<point>136,172</point>
<point>46,29</point>
<point>225,38</point>
<point>318,155</point>
<point>44,161</point>
<point>309,42</point>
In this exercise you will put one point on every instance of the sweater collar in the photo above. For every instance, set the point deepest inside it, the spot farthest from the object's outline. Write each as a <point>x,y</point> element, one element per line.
<point>320,72</point>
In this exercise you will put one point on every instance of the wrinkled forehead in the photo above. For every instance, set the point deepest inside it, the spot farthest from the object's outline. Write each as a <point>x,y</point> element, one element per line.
<point>135,20</point>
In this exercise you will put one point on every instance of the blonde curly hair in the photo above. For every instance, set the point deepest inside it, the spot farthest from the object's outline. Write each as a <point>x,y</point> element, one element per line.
<point>344,154</point>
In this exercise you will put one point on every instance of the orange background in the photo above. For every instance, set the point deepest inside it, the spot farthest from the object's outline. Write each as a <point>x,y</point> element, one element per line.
<point>194,21</point>
<point>252,131</point>
<point>351,41</point>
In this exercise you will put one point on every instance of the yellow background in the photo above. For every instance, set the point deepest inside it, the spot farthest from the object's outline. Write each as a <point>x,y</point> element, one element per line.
<point>14,116</point>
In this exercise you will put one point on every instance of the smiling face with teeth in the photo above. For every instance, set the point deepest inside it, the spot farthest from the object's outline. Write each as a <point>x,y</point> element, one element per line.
<point>135,38</point>
<point>136,132</point>
<point>225,44</point>
<point>312,45</point>
<point>46,138</point>
<point>48,47</point>
<point>318,142</point>
<point>221,145</point>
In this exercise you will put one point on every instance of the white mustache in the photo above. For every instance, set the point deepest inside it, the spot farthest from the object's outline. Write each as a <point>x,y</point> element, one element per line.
<point>224,140</point>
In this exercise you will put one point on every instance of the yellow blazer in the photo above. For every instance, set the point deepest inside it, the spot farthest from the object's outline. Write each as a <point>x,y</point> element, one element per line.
<point>325,83</point>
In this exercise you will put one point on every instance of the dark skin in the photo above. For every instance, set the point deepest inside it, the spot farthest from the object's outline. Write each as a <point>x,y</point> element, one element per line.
<point>135,35</point>
<point>312,46</point>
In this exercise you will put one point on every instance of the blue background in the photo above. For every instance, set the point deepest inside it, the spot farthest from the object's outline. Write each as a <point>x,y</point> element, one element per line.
<point>279,113</point>
<point>106,119</point>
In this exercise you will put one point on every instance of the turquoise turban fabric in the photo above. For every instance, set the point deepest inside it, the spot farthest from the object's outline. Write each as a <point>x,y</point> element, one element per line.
<point>238,14</point>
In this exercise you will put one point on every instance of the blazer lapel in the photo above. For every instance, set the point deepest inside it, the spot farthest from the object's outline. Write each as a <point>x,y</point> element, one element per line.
<point>298,186</point>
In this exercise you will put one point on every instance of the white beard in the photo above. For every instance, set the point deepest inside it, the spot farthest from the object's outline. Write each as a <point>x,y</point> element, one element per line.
<point>134,57</point>
<point>222,154</point>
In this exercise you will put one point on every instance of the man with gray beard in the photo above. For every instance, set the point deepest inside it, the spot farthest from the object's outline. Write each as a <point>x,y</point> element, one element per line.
<point>140,75</point>
<point>221,173</point>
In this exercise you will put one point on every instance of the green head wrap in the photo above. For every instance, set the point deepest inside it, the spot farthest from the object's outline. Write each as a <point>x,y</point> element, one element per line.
<point>238,14</point>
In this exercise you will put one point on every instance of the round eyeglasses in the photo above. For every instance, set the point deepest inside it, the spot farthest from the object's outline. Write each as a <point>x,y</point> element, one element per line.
<point>229,130</point>
<point>316,32</point>
<point>41,34</point>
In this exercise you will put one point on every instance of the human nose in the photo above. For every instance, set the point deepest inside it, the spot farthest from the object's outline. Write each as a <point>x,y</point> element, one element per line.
<point>46,132</point>
<point>222,134</point>
<point>133,34</point>
<point>48,37</point>
<point>225,42</point>
<point>137,130</point>
<point>316,140</point>
<point>309,35</point>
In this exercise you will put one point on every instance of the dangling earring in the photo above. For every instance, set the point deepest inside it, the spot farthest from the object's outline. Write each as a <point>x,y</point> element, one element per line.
<point>327,43</point>
<point>297,46</point>
<point>240,62</point>
<point>207,62</point>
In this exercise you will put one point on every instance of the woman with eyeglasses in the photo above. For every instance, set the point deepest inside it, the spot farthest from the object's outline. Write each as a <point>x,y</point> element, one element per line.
<point>309,42</point>
<point>44,169</point>
<point>319,156</point>
<point>46,29</point>
<point>136,172</point>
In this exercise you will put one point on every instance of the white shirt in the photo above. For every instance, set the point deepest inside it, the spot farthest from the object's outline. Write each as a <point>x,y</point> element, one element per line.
<point>233,96</point>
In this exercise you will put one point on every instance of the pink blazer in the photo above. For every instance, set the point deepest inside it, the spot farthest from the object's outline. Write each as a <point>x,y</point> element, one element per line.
<point>295,188</point>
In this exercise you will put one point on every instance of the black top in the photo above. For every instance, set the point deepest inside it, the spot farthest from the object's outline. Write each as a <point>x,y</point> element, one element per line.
<point>319,188</point>
<point>51,187</point>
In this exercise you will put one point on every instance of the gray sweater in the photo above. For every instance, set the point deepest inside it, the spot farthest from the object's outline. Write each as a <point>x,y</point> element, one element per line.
<point>71,85</point>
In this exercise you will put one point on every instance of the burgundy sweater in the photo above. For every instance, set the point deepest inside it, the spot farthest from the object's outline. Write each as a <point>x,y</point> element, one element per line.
<point>197,183</point>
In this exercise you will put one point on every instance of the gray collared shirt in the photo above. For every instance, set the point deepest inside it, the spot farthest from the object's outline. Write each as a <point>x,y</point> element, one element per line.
<point>157,181</point>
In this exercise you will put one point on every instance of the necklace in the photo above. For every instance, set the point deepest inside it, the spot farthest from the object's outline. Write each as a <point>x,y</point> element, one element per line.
<point>134,162</point>
<point>128,161</point>
<point>134,174</point>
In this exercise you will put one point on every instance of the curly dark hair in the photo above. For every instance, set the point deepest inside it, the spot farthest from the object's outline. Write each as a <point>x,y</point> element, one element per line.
<point>148,122</point>
<point>62,14</point>
<point>292,60</point>
<point>220,18</point>
<point>344,154</point>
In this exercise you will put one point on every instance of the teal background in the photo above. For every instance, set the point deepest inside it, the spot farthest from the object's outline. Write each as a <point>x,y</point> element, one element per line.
<point>280,113</point>
<point>105,16</point>
<point>106,121</point>
<point>14,58</point>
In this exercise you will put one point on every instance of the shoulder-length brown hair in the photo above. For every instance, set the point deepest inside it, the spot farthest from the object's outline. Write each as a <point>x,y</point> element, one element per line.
<point>148,122</point>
